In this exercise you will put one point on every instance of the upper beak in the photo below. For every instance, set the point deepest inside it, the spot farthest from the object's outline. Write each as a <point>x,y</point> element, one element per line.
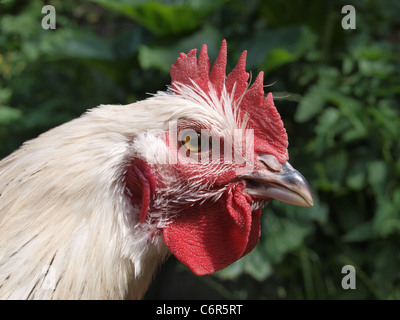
<point>283,183</point>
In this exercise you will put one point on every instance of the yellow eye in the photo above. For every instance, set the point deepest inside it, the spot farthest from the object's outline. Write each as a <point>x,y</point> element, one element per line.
<point>194,141</point>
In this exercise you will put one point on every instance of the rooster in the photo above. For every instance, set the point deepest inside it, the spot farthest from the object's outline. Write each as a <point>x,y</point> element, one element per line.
<point>91,208</point>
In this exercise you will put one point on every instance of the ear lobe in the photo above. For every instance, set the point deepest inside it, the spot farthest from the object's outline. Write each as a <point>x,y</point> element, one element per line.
<point>140,184</point>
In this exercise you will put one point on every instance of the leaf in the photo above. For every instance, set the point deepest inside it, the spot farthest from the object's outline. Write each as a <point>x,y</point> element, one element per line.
<point>278,57</point>
<point>254,264</point>
<point>11,24</point>
<point>386,220</point>
<point>87,45</point>
<point>297,41</point>
<point>9,114</point>
<point>356,177</point>
<point>257,267</point>
<point>155,57</point>
<point>311,104</point>
<point>371,68</point>
<point>328,124</point>
<point>5,93</point>
<point>282,235</point>
<point>360,233</point>
<point>387,117</point>
<point>387,216</point>
<point>376,175</point>
<point>347,65</point>
<point>317,213</point>
<point>162,57</point>
<point>332,171</point>
<point>272,48</point>
<point>164,17</point>
<point>128,43</point>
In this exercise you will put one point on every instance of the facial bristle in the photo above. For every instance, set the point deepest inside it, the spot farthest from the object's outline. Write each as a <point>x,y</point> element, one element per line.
<point>262,114</point>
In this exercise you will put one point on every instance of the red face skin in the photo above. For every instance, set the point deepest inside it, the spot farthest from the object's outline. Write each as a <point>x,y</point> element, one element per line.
<point>210,235</point>
<point>205,234</point>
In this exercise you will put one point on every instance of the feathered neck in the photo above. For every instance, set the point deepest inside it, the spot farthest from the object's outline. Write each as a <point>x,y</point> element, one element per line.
<point>67,229</point>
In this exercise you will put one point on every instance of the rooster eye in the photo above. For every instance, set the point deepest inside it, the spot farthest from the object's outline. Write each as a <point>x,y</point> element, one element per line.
<point>194,141</point>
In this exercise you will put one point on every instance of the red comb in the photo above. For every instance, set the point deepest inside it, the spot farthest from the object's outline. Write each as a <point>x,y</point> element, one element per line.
<point>269,133</point>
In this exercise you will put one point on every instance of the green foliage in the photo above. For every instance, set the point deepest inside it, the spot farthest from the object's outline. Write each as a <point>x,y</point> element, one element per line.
<point>337,91</point>
<point>165,17</point>
<point>162,57</point>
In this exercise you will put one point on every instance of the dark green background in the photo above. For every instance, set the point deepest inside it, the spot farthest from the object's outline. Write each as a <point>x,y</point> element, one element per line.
<point>337,91</point>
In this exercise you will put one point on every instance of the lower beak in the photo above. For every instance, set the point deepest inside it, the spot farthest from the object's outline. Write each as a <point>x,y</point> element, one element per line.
<point>287,185</point>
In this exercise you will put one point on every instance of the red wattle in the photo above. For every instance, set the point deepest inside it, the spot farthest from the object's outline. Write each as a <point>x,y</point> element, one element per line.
<point>211,236</point>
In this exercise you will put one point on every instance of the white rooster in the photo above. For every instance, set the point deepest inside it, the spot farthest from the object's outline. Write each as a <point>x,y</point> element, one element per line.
<point>90,209</point>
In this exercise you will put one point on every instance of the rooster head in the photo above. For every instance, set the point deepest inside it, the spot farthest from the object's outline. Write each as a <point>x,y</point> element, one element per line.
<point>201,177</point>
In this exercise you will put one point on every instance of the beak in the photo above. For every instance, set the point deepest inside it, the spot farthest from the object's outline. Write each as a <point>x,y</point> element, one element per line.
<point>282,183</point>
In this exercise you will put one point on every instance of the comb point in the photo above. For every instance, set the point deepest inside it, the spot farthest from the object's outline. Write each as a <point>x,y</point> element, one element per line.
<point>218,71</point>
<point>237,78</point>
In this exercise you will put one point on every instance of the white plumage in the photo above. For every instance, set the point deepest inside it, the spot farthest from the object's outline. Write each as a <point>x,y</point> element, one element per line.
<point>63,205</point>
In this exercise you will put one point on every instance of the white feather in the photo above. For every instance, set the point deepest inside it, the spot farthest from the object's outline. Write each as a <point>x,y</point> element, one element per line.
<point>67,228</point>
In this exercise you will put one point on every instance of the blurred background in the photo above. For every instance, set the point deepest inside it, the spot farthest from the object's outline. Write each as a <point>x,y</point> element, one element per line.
<point>338,92</point>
